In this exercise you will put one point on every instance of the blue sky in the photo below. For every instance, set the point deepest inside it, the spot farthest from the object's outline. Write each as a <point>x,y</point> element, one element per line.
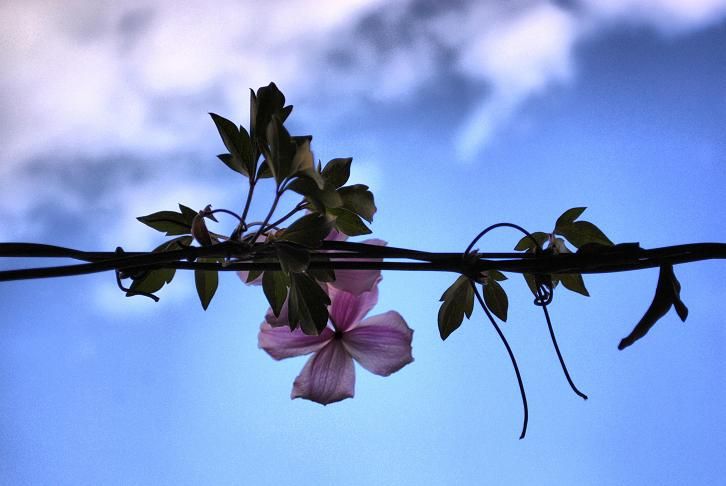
<point>458,115</point>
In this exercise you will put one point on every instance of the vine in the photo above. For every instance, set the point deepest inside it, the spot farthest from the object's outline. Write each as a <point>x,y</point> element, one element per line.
<point>320,286</point>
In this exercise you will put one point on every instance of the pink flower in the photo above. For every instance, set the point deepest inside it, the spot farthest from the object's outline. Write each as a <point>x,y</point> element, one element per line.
<point>381,344</point>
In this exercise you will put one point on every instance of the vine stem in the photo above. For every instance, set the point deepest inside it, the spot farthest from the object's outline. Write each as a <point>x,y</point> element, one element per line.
<point>503,338</point>
<point>354,256</point>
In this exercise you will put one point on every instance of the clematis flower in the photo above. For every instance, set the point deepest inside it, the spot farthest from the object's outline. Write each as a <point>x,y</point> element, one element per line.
<point>381,344</point>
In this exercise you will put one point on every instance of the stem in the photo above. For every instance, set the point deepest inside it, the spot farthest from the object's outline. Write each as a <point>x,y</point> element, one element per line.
<point>559,355</point>
<point>301,205</point>
<point>525,419</point>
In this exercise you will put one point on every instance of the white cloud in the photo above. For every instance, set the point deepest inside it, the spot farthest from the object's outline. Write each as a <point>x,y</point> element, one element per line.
<point>669,16</point>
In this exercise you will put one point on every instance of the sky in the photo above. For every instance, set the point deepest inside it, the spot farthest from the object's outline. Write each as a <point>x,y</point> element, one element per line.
<point>458,115</point>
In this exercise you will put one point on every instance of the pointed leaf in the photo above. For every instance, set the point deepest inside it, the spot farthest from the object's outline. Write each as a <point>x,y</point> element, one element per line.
<point>169,222</point>
<point>293,258</point>
<point>526,242</point>
<point>359,199</point>
<point>458,300</point>
<point>348,222</point>
<point>237,141</point>
<point>309,230</point>
<point>151,281</point>
<point>307,305</point>
<point>667,293</point>
<point>206,282</point>
<point>569,216</point>
<point>496,299</point>
<point>337,171</point>
<point>583,232</point>
<point>275,284</point>
<point>574,282</point>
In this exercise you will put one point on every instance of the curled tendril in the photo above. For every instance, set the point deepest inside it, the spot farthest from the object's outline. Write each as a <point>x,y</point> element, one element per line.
<point>120,275</point>
<point>543,297</point>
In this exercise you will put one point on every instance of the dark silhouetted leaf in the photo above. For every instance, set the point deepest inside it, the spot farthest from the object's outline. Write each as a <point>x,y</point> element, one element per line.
<point>293,258</point>
<point>169,222</point>
<point>583,232</point>
<point>206,282</point>
<point>348,222</point>
<point>275,284</point>
<point>309,230</point>
<point>337,171</point>
<point>496,299</point>
<point>496,275</point>
<point>308,304</point>
<point>574,282</point>
<point>327,197</point>
<point>457,301</point>
<point>252,275</point>
<point>569,216</point>
<point>237,141</point>
<point>359,199</point>
<point>268,101</point>
<point>667,294</point>
<point>151,281</point>
<point>526,242</point>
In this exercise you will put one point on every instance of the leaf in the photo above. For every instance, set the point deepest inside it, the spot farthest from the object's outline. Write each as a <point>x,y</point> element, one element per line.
<point>349,223</point>
<point>667,294</point>
<point>496,299</point>
<point>583,232</point>
<point>268,101</point>
<point>169,222</point>
<point>458,300</point>
<point>327,197</point>
<point>529,278</point>
<point>275,284</point>
<point>359,199</point>
<point>293,258</point>
<point>337,171</point>
<point>496,275</point>
<point>281,150</point>
<point>574,282</point>
<point>526,242</point>
<point>309,230</point>
<point>237,141</point>
<point>252,275</point>
<point>308,304</point>
<point>569,216</point>
<point>151,281</point>
<point>206,282</point>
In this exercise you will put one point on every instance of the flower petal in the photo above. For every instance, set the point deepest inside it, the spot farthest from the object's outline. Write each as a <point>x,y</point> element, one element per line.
<point>328,376</point>
<point>358,281</point>
<point>346,309</point>
<point>381,344</point>
<point>280,342</point>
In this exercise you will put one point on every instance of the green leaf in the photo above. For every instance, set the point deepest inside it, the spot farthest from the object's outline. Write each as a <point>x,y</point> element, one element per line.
<point>308,304</point>
<point>359,199</point>
<point>279,155</point>
<point>337,171</point>
<point>268,101</point>
<point>151,281</point>
<point>169,222</point>
<point>264,172</point>
<point>309,230</point>
<point>667,295</point>
<point>349,223</point>
<point>293,258</point>
<point>188,213</point>
<point>458,300</point>
<point>569,216</point>
<point>252,275</point>
<point>327,197</point>
<point>496,275</point>
<point>275,284</point>
<point>496,299</point>
<point>237,141</point>
<point>574,282</point>
<point>206,282</point>
<point>526,242</point>
<point>583,232</point>
<point>529,278</point>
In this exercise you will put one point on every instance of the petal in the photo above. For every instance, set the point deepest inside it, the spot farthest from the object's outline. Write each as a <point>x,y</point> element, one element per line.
<point>381,344</point>
<point>347,309</point>
<point>280,342</point>
<point>281,320</point>
<point>328,376</point>
<point>336,235</point>
<point>358,281</point>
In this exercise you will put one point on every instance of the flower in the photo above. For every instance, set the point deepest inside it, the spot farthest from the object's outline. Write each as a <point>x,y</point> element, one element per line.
<point>381,344</point>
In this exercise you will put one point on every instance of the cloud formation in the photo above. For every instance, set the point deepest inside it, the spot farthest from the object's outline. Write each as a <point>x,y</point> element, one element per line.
<point>84,79</point>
